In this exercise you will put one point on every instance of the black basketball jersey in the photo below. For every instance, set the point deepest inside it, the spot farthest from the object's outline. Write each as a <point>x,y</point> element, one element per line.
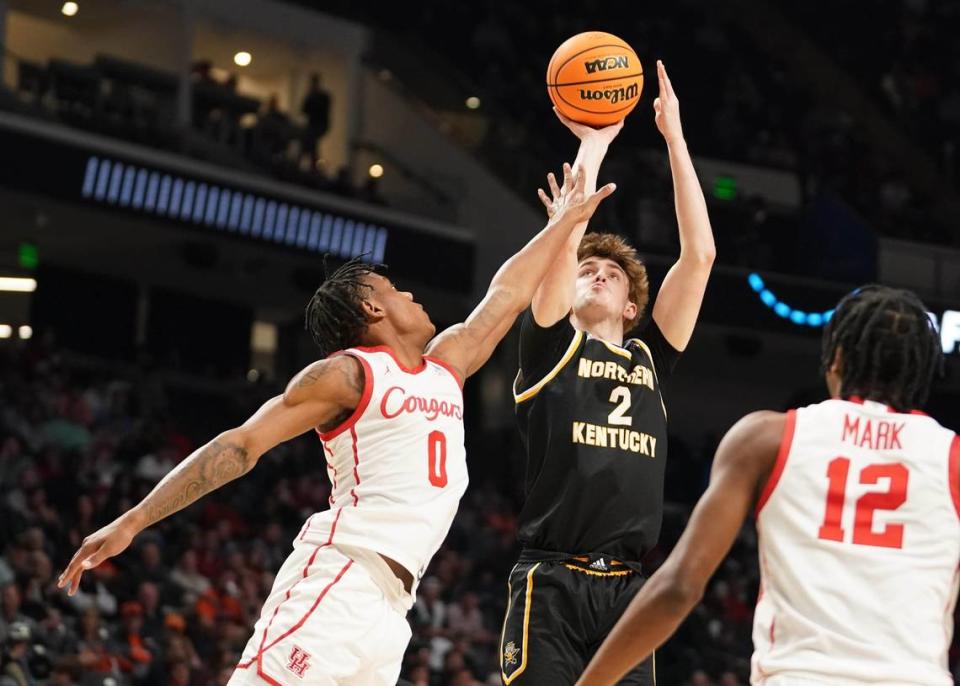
<point>594,428</point>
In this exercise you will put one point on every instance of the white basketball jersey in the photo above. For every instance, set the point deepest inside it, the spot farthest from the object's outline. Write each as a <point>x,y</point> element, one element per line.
<point>397,465</point>
<point>859,541</point>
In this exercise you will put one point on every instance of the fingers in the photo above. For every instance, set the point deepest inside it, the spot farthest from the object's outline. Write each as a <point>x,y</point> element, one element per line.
<point>666,86</point>
<point>594,200</point>
<point>554,188</point>
<point>70,579</point>
<point>567,178</point>
<point>564,120</point>
<point>604,192</point>
<point>545,200</point>
<point>94,560</point>
<point>579,130</point>
<point>580,180</point>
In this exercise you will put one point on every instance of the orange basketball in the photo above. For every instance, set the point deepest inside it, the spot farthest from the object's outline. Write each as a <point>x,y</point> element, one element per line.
<point>595,78</point>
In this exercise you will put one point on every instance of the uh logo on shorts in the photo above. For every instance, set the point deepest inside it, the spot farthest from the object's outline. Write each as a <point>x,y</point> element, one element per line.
<point>299,661</point>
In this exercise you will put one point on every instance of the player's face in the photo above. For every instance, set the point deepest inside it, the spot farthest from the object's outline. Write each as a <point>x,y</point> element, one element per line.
<point>404,313</point>
<point>603,291</point>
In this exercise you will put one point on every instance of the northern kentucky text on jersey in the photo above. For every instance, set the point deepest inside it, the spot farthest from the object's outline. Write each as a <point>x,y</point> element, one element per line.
<point>395,402</point>
<point>613,437</point>
<point>590,369</point>
<point>872,434</point>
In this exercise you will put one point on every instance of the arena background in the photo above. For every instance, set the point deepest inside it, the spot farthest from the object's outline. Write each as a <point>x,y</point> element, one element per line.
<point>170,208</point>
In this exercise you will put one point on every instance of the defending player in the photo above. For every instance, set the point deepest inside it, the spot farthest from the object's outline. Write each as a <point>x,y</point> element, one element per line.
<point>391,421</point>
<point>856,500</point>
<point>594,426</point>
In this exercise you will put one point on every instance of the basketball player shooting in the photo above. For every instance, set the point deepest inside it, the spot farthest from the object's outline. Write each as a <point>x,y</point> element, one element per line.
<point>593,423</point>
<point>856,502</point>
<point>388,406</point>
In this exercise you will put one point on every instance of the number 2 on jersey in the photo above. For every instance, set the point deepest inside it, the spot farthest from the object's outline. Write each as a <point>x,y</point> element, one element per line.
<point>437,458</point>
<point>620,394</point>
<point>891,536</point>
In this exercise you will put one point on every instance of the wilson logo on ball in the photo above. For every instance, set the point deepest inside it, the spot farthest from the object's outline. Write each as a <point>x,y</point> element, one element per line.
<point>604,63</point>
<point>612,95</point>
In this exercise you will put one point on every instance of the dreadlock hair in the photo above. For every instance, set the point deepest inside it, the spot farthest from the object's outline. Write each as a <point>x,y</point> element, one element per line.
<point>613,247</point>
<point>334,315</point>
<point>890,347</point>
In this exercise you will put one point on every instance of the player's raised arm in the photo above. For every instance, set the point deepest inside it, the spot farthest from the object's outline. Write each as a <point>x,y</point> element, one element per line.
<point>555,295</point>
<point>743,462</point>
<point>318,396</point>
<point>468,345</point>
<point>681,294</point>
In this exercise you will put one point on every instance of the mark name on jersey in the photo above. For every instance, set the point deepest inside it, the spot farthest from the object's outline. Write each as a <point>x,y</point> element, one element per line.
<point>640,376</point>
<point>395,402</point>
<point>865,433</point>
<point>611,437</point>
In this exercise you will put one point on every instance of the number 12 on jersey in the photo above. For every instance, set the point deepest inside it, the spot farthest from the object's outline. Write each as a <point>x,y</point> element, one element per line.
<point>838,471</point>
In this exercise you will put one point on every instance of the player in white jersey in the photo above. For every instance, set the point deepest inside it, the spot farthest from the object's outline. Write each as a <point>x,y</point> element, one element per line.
<point>857,502</point>
<point>388,406</point>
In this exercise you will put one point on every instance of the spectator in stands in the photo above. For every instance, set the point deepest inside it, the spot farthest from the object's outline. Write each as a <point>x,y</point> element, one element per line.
<point>316,108</point>
<point>94,653</point>
<point>271,133</point>
<point>187,581</point>
<point>134,649</point>
<point>10,614</point>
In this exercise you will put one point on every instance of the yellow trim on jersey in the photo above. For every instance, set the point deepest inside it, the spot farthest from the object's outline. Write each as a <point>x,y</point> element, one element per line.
<point>654,365</point>
<point>614,348</point>
<point>534,389</point>
<point>593,572</point>
<point>526,625</point>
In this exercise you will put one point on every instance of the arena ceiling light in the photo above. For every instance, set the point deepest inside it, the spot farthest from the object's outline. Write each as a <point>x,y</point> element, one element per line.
<point>18,284</point>
<point>473,102</point>
<point>375,171</point>
<point>25,332</point>
<point>242,59</point>
<point>6,331</point>
<point>70,9</point>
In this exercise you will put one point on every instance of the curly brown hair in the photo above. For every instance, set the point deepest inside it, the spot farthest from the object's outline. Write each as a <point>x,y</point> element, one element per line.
<point>613,247</point>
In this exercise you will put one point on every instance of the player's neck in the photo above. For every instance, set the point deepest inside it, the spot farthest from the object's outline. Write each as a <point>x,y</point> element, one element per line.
<point>606,330</point>
<point>408,352</point>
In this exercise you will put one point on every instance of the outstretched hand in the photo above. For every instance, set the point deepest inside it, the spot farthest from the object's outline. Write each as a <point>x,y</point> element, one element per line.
<point>585,132</point>
<point>571,200</point>
<point>666,108</point>
<point>111,540</point>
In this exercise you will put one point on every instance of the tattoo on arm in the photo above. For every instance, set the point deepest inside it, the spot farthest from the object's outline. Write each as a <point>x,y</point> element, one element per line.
<point>212,466</point>
<point>321,369</point>
<point>312,376</point>
<point>350,375</point>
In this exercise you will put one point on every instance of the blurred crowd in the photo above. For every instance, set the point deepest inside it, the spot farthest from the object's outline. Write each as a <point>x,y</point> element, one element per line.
<point>738,102</point>
<point>81,442</point>
<point>906,58</point>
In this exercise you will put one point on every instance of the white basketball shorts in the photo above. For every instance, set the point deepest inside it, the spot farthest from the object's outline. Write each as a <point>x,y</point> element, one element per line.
<point>326,622</point>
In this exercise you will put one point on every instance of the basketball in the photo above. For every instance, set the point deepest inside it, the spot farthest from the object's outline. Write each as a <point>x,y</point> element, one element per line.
<point>595,78</point>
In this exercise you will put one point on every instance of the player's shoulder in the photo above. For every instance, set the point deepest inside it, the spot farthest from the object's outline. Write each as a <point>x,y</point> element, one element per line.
<point>764,424</point>
<point>341,374</point>
<point>759,435</point>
